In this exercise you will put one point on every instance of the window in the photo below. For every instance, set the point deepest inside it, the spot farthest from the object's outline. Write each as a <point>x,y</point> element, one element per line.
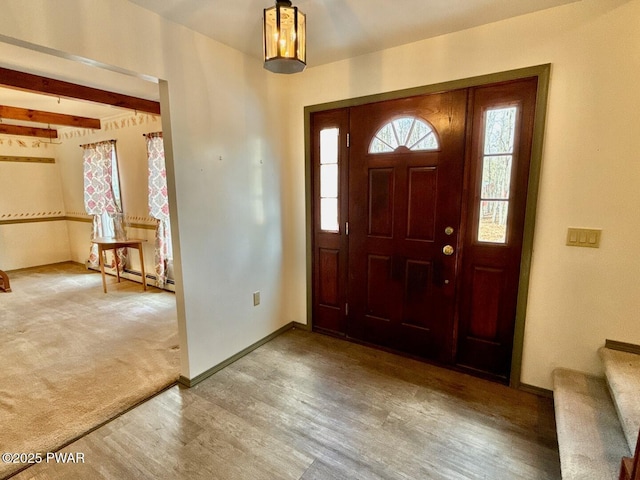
<point>408,132</point>
<point>102,196</point>
<point>111,228</point>
<point>497,163</point>
<point>329,179</point>
<point>159,208</point>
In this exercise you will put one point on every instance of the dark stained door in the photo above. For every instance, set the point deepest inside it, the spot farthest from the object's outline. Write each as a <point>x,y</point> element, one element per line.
<point>405,193</point>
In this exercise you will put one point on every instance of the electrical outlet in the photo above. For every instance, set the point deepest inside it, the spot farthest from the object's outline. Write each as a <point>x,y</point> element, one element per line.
<point>256,299</point>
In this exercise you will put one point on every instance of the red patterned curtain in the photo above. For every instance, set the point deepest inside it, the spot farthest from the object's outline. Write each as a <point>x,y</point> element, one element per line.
<point>159,206</point>
<point>102,196</point>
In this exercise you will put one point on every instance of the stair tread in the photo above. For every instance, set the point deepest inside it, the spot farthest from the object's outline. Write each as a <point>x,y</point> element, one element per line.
<point>627,466</point>
<point>622,371</point>
<point>590,438</point>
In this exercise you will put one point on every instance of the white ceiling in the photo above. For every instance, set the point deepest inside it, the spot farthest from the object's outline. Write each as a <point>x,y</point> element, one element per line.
<point>339,29</point>
<point>336,29</point>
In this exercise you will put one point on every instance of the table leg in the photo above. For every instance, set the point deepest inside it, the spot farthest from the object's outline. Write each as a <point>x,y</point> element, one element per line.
<point>144,277</point>
<point>5,282</point>
<point>115,259</point>
<point>101,262</point>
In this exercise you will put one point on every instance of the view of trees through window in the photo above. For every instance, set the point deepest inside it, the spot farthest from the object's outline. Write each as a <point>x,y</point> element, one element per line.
<point>499,132</point>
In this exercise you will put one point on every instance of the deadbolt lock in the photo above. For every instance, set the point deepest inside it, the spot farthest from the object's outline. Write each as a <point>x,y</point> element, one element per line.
<point>448,230</point>
<point>447,250</point>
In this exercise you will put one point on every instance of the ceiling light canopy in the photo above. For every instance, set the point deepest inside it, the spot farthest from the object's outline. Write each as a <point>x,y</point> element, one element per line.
<point>284,38</point>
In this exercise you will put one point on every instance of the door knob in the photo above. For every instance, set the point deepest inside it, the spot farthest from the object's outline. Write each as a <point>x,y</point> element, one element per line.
<point>447,250</point>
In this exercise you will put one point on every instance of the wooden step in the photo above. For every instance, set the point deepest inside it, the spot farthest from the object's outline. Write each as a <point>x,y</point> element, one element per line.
<point>630,466</point>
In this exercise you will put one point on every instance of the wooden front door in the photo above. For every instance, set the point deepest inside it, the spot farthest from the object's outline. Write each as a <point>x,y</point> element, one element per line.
<point>418,220</point>
<point>405,191</point>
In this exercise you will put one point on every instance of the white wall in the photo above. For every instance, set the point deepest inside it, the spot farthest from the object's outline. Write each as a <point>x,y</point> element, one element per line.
<point>30,191</point>
<point>590,173</point>
<point>226,156</point>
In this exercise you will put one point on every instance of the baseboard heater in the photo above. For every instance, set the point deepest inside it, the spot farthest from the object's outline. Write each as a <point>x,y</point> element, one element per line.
<point>135,276</point>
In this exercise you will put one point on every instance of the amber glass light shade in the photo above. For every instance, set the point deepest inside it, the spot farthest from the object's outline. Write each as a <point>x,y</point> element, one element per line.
<point>284,38</point>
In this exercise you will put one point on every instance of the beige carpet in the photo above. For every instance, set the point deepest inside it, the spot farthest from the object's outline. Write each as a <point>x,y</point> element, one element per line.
<point>73,357</point>
<point>590,438</point>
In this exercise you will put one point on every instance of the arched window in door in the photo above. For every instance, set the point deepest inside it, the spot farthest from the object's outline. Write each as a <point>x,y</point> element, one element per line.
<point>409,133</point>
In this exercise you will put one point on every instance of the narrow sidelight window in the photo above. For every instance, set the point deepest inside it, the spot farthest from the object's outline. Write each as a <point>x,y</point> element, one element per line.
<point>329,179</point>
<point>497,163</point>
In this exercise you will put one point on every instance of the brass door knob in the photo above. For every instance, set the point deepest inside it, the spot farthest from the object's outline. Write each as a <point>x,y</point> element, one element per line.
<point>447,250</point>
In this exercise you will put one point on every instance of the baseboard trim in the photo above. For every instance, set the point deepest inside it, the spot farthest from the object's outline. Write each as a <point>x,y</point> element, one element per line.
<point>539,391</point>
<point>301,326</point>
<point>190,382</point>
<point>21,269</point>
<point>622,346</point>
<point>186,382</point>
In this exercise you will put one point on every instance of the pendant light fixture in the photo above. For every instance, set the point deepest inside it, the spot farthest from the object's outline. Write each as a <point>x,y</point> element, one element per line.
<point>284,37</point>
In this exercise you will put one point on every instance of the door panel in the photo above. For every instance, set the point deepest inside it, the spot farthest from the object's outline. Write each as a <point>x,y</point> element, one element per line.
<point>487,289</point>
<point>401,201</point>
<point>329,277</point>
<point>421,222</point>
<point>379,282</point>
<point>381,202</point>
<point>418,290</point>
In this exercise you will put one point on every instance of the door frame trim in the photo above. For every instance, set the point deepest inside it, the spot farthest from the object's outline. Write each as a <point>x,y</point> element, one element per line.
<point>543,73</point>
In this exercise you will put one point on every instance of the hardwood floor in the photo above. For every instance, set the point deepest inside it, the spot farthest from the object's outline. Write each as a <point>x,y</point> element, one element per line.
<point>307,406</point>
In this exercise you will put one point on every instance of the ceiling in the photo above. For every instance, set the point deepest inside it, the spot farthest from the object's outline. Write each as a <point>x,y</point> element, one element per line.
<point>336,30</point>
<point>339,29</point>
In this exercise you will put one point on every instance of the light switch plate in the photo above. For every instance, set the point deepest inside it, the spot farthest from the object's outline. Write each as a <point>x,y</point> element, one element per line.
<point>583,237</point>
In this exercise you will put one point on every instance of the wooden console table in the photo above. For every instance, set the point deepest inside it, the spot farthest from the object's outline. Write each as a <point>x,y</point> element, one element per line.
<point>110,243</point>
<point>4,282</point>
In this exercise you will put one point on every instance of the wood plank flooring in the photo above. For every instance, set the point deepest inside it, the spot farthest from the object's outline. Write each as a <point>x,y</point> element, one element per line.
<point>307,406</point>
